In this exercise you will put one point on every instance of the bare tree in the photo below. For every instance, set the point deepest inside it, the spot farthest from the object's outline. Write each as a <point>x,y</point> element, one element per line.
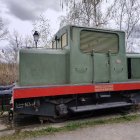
<point>133,17</point>
<point>73,15</point>
<point>79,13</point>
<point>3,30</point>
<point>28,41</point>
<point>42,25</point>
<point>126,15</point>
<point>15,42</point>
<point>96,11</point>
<point>87,13</point>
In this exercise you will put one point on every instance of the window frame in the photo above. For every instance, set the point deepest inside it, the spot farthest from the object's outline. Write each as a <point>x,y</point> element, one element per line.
<point>107,32</point>
<point>66,40</point>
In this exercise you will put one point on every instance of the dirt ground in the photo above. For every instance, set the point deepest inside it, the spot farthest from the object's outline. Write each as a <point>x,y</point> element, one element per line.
<point>2,125</point>
<point>125,131</point>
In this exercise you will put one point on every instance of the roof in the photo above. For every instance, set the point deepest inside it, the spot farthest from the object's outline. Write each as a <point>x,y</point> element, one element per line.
<point>91,28</point>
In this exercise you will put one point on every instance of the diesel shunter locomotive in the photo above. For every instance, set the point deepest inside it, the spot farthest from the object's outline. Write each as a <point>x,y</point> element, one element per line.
<point>86,69</point>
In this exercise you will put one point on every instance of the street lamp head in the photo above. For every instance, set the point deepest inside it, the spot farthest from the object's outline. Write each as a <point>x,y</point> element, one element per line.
<point>36,36</point>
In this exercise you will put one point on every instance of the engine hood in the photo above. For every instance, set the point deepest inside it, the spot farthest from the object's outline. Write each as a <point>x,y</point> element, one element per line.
<point>42,67</point>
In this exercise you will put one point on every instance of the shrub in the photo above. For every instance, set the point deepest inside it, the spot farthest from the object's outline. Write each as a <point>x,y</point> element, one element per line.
<point>8,73</point>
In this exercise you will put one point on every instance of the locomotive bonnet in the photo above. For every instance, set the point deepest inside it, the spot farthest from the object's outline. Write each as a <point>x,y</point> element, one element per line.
<point>42,67</point>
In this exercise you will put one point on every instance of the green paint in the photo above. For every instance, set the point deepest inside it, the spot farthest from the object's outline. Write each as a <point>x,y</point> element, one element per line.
<point>71,65</point>
<point>42,67</point>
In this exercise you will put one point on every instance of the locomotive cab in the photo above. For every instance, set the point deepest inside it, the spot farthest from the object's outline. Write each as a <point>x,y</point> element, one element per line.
<point>101,56</point>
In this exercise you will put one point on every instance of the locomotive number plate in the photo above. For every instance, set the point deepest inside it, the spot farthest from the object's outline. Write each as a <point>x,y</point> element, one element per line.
<point>99,88</point>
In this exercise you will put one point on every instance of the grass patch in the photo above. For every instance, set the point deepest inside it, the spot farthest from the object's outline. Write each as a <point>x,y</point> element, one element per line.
<point>71,126</point>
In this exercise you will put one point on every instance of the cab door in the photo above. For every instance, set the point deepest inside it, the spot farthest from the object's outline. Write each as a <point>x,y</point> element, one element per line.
<point>101,70</point>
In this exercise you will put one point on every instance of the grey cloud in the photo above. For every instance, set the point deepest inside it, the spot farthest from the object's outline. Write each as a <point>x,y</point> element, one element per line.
<point>20,11</point>
<point>30,9</point>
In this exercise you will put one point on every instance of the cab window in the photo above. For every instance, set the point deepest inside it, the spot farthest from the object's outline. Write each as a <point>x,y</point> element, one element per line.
<point>64,40</point>
<point>99,42</point>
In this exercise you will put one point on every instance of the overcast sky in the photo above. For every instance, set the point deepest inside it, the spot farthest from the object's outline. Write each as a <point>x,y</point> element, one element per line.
<point>21,13</point>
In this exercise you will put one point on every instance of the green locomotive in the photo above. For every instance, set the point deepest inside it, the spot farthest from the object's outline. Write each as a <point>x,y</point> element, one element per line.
<point>86,69</point>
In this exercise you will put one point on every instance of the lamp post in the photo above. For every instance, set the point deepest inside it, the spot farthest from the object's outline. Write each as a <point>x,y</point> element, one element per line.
<point>36,37</point>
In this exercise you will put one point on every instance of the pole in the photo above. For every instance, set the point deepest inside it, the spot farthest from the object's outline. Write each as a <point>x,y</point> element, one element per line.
<point>36,44</point>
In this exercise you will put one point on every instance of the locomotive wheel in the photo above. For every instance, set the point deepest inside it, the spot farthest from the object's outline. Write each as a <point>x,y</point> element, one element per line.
<point>57,120</point>
<point>52,119</point>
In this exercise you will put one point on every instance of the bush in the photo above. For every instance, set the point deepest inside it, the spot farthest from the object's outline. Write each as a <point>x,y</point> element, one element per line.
<point>8,73</point>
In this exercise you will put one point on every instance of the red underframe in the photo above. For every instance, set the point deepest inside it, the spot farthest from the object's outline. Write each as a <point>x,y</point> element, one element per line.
<point>30,92</point>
